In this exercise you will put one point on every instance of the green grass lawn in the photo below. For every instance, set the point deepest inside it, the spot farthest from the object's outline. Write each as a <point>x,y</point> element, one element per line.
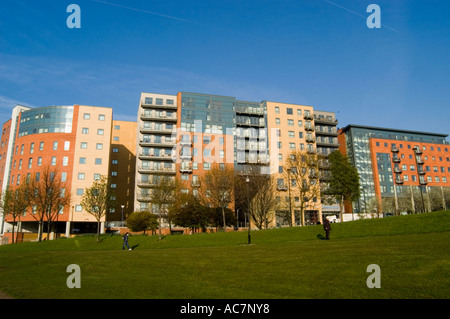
<point>412,252</point>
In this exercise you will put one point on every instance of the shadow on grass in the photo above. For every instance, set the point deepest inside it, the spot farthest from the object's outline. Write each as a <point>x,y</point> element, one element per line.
<point>321,237</point>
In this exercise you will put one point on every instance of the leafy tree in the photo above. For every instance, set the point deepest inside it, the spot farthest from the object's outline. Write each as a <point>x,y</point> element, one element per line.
<point>142,221</point>
<point>189,212</point>
<point>97,200</point>
<point>344,182</point>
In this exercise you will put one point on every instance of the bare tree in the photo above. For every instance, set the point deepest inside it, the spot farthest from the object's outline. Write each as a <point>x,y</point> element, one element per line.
<point>162,196</point>
<point>264,201</point>
<point>97,200</point>
<point>14,202</point>
<point>219,188</point>
<point>301,171</point>
<point>47,196</point>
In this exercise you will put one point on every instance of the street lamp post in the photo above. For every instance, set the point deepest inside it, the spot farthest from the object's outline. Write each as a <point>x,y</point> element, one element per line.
<point>289,191</point>
<point>248,212</point>
<point>122,206</point>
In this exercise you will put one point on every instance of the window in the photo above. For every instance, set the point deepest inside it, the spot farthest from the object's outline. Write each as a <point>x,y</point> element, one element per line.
<point>53,160</point>
<point>30,162</point>
<point>115,150</point>
<point>117,127</point>
<point>81,176</point>
<point>65,161</point>
<point>291,134</point>
<point>289,111</point>
<point>290,122</point>
<point>113,173</point>
<point>86,116</point>
<point>84,145</point>
<point>277,121</point>
<point>98,161</point>
<point>170,102</point>
<point>99,146</point>
<point>115,162</point>
<point>116,138</point>
<point>41,146</point>
<point>55,146</point>
<point>84,130</point>
<point>82,160</point>
<point>277,110</point>
<point>300,123</point>
<point>32,148</point>
<point>101,117</point>
<point>159,101</point>
<point>66,145</point>
<point>206,166</point>
<point>39,162</point>
<point>299,112</point>
<point>100,131</point>
<point>97,176</point>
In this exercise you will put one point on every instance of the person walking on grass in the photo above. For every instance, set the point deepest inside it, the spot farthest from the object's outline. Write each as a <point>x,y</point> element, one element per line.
<point>327,228</point>
<point>125,241</point>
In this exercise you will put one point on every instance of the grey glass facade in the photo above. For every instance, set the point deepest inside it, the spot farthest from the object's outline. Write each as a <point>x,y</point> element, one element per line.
<point>53,119</point>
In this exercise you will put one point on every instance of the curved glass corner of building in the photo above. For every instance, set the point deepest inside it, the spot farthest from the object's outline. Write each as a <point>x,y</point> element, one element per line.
<point>52,119</point>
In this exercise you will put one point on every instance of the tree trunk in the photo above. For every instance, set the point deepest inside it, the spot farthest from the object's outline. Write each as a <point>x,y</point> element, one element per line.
<point>224,221</point>
<point>98,231</point>
<point>12,234</point>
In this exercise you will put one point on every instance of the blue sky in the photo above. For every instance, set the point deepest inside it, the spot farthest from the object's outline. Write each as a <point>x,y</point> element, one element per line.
<point>312,52</point>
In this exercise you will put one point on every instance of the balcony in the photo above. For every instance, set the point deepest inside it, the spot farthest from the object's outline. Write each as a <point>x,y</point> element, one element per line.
<point>396,159</point>
<point>309,128</point>
<point>399,180</point>
<point>418,151</point>
<point>146,130</point>
<point>423,182</point>
<point>146,105</point>
<point>249,111</point>
<point>398,170</point>
<point>310,140</point>
<point>158,171</point>
<point>282,188</point>
<point>149,143</point>
<point>186,157</point>
<point>308,116</point>
<point>394,149</point>
<point>151,157</point>
<point>419,160</point>
<point>324,120</point>
<point>195,184</point>
<point>311,151</point>
<point>159,118</point>
<point>421,172</point>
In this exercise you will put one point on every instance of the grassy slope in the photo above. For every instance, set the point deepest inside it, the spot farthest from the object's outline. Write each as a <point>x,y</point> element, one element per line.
<point>412,252</point>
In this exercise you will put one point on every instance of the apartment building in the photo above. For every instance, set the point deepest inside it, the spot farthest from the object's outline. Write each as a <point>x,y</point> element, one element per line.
<point>73,141</point>
<point>184,135</point>
<point>395,164</point>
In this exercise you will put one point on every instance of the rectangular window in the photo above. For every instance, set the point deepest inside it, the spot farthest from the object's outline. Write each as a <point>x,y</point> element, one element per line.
<point>98,161</point>
<point>53,160</point>
<point>101,117</point>
<point>100,131</point>
<point>39,162</point>
<point>81,176</point>
<point>289,111</point>
<point>82,160</point>
<point>86,116</point>
<point>41,146</point>
<point>32,148</point>
<point>99,146</point>
<point>80,191</point>
<point>30,162</point>
<point>84,130</point>
<point>66,145</point>
<point>65,161</point>
<point>84,145</point>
